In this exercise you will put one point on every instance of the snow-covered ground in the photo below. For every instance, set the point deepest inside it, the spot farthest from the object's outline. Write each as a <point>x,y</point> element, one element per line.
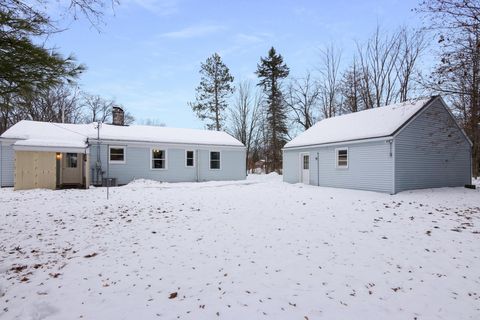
<point>254,249</point>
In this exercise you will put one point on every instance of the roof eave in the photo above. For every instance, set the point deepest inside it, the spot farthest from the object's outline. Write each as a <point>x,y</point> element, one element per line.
<point>151,142</point>
<point>326,144</point>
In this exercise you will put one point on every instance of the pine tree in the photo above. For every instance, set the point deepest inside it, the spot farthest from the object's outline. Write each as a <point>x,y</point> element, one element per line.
<point>27,68</point>
<point>212,93</point>
<point>271,70</point>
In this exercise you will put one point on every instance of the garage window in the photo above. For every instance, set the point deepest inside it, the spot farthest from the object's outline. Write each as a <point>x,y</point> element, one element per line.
<point>190,158</point>
<point>342,158</point>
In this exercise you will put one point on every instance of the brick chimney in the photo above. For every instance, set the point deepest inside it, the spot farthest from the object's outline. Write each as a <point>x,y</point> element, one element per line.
<point>118,116</point>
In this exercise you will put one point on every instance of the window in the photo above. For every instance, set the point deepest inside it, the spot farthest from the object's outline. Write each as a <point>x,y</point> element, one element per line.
<point>117,154</point>
<point>306,161</point>
<point>342,158</point>
<point>190,158</point>
<point>72,160</point>
<point>215,160</point>
<point>159,159</point>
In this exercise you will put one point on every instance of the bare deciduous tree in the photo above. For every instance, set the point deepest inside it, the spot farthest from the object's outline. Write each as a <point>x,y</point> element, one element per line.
<point>245,116</point>
<point>378,60</point>
<point>96,108</point>
<point>350,89</point>
<point>329,81</point>
<point>58,104</point>
<point>412,46</point>
<point>302,98</point>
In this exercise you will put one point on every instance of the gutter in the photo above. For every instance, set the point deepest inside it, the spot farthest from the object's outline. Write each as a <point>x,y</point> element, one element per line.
<point>327,144</point>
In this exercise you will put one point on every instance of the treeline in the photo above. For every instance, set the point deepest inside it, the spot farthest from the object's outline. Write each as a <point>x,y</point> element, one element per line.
<point>37,82</point>
<point>387,68</point>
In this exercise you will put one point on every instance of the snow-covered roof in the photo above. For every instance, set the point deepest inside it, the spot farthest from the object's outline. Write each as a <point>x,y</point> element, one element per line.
<point>61,134</point>
<point>371,123</point>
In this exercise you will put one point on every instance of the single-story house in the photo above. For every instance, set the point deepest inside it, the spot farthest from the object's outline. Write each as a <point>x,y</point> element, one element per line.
<point>56,155</point>
<point>410,145</point>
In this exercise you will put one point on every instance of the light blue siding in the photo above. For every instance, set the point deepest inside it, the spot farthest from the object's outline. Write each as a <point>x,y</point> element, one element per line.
<point>291,165</point>
<point>431,151</point>
<point>370,166</point>
<point>7,156</point>
<point>137,164</point>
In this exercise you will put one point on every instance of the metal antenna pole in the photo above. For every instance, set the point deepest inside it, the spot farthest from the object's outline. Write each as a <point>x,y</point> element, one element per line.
<point>108,170</point>
<point>98,166</point>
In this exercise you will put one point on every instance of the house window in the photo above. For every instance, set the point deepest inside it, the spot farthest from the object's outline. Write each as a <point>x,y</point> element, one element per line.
<point>215,160</point>
<point>342,158</point>
<point>72,160</point>
<point>190,158</point>
<point>117,154</point>
<point>159,159</point>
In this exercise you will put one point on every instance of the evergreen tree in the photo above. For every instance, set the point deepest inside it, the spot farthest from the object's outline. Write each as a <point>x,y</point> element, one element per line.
<point>271,70</point>
<point>212,93</point>
<point>28,68</point>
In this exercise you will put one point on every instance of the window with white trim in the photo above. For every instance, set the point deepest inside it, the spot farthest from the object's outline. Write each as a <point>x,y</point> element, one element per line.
<point>159,159</point>
<point>190,158</point>
<point>215,160</point>
<point>342,158</point>
<point>117,154</point>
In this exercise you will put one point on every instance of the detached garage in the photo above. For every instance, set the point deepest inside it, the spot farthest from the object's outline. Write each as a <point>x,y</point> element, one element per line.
<point>410,145</point>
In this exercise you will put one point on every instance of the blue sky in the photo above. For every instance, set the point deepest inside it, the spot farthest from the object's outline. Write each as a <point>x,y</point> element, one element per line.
<point>148,53</point>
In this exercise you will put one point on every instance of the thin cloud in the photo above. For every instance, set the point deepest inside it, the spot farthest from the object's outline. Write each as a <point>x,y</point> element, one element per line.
<point>243,42</point>
<point>158,7</point>
<point>193,32</point>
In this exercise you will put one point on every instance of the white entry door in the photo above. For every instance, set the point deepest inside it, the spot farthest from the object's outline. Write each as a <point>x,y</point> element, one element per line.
<point>305,164</point>
<point>72,168</point>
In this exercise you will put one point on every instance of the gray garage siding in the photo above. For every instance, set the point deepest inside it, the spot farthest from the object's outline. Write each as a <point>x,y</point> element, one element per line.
<point>7,155</point>
<point>431,151</point>
<point>138,166</point>
<point>370,166</point>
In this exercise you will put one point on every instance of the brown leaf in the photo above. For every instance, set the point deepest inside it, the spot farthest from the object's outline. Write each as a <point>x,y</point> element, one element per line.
<point>173,295</point>
<point>90,255</point>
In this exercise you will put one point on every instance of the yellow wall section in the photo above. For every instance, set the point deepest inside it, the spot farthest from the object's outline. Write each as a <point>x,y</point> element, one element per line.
<point>35,170</point>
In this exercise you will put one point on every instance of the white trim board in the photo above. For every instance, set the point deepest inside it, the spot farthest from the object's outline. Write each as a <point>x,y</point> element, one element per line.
<point>52,149</point>
<point>316,146</point>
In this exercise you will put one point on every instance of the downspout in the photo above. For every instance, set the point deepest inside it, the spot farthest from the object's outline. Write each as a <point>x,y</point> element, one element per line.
<point>86,169</point>
<point>318,169</point>
<point>392,155</point>
<point>471,165</point>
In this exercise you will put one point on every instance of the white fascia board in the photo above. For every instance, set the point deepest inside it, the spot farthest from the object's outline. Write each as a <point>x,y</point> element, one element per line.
<point>52,149</point>
<point>313,146</point>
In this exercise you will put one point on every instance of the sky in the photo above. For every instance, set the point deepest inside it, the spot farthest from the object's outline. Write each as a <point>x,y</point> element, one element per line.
<point>147,54</point>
